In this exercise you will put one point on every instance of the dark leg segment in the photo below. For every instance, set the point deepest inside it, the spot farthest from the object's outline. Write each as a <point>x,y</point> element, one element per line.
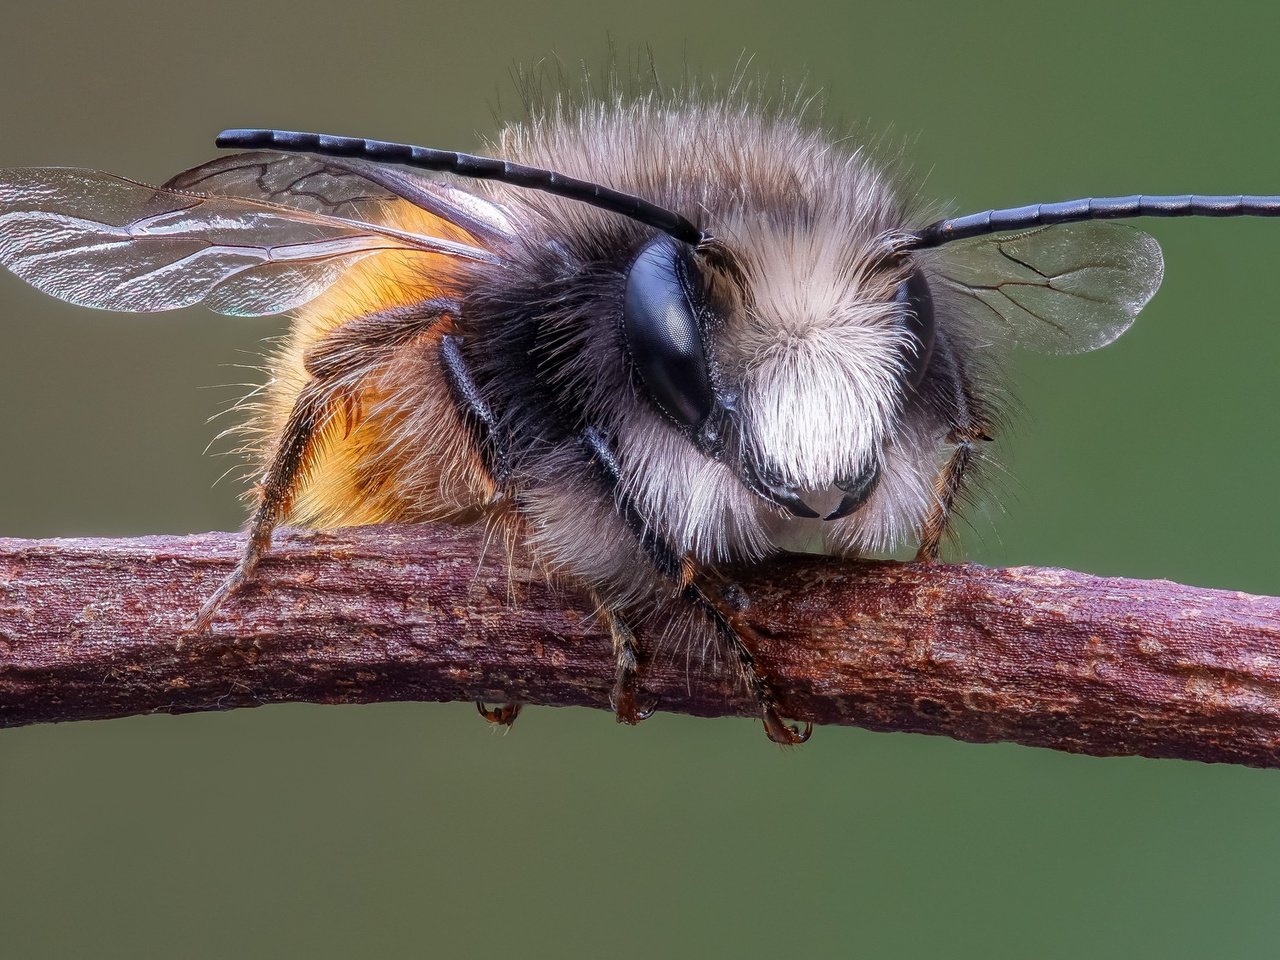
<point>477,413</point>
<point>733,637</point>
<point>503,715</point>
<point>278,487</point>
<point>474,409</point>
<point>730,633</point>
<point>946,486</point>
<point>336,364</point>
<point>967,429</point>
<point>366,342</point>
<point>626,653</point>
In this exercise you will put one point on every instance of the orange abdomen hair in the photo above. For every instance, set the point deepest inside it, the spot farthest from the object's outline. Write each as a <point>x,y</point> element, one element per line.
<point>394,448</point>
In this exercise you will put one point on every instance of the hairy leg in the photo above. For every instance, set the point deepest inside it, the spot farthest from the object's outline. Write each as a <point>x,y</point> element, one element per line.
<point>474,410</point>
<point>627,663</point>
<point>336,365</point>
<point>278,486</point>
<point>735,638</point>
<point>740,642</point>
<point>477,414</point>
<point>968,427</point>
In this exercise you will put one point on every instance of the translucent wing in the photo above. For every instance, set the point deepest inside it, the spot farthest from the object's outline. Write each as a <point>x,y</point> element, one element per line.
<point>104,241</point>
<point>297,181</point>
<point>1062,289</point>
<point>342,187</point>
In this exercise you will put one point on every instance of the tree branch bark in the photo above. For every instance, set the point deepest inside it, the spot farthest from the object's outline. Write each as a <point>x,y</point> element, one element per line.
<point>1052,658</point>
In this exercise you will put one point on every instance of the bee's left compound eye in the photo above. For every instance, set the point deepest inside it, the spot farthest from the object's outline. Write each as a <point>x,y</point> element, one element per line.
<point>664,338</point>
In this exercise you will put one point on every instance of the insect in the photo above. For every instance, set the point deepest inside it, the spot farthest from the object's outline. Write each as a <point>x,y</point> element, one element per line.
<point>713,336</point>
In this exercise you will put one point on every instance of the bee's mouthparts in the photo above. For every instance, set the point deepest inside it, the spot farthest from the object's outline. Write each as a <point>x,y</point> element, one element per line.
<point>853,492</point>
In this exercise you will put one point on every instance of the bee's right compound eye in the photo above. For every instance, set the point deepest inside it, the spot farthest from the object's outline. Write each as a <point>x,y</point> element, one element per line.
<point>916,301</point>
<point>664,338</point>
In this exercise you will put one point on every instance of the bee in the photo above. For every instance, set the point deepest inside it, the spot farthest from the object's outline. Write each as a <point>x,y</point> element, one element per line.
<point>654,340</point>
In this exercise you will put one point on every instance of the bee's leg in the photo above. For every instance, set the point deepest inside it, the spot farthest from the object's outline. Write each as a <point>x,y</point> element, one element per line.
<point>946,487</point>
<point>968,427</point>
<point>476,412</point>
<point>279,483</point>
<point>335,364</point>
<point>627,660</point>
<point>732,636</point>
<point>503,715</point>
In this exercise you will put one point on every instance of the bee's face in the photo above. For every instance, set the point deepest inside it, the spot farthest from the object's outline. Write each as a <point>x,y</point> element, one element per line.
<point>788,352</point>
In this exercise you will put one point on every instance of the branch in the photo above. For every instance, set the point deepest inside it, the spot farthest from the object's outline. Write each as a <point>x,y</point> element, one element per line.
<point>1052,658</point>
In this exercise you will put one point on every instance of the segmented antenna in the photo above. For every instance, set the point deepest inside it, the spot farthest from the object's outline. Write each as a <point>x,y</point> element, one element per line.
<point>469,165</point>
<point>1087,208</point>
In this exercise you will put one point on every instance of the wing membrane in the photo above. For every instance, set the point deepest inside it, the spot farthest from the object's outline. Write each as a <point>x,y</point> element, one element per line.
<point>299,181</point>
<point>104,241</point>
<point>1069,288</point>
<point>343,187</point>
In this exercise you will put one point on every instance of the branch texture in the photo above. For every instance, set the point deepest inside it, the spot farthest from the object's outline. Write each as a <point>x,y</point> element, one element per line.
<point>94,628</point>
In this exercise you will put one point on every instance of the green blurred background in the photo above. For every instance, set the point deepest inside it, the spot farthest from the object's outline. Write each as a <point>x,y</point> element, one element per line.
<point>409,829</point>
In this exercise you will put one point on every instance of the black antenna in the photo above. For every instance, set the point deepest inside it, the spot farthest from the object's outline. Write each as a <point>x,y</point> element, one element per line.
<point>1087,208</point>
<point>469,165</point>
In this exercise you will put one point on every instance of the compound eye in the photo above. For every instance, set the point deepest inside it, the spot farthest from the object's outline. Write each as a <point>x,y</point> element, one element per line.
<point>660,320</point>
<point>916,301</point>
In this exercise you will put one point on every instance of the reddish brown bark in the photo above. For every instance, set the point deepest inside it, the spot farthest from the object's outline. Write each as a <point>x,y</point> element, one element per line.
<point>94,628</point>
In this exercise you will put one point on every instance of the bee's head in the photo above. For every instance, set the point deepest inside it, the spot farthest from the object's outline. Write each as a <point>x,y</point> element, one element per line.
<point>755,363</point>
<point>786,349</point>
